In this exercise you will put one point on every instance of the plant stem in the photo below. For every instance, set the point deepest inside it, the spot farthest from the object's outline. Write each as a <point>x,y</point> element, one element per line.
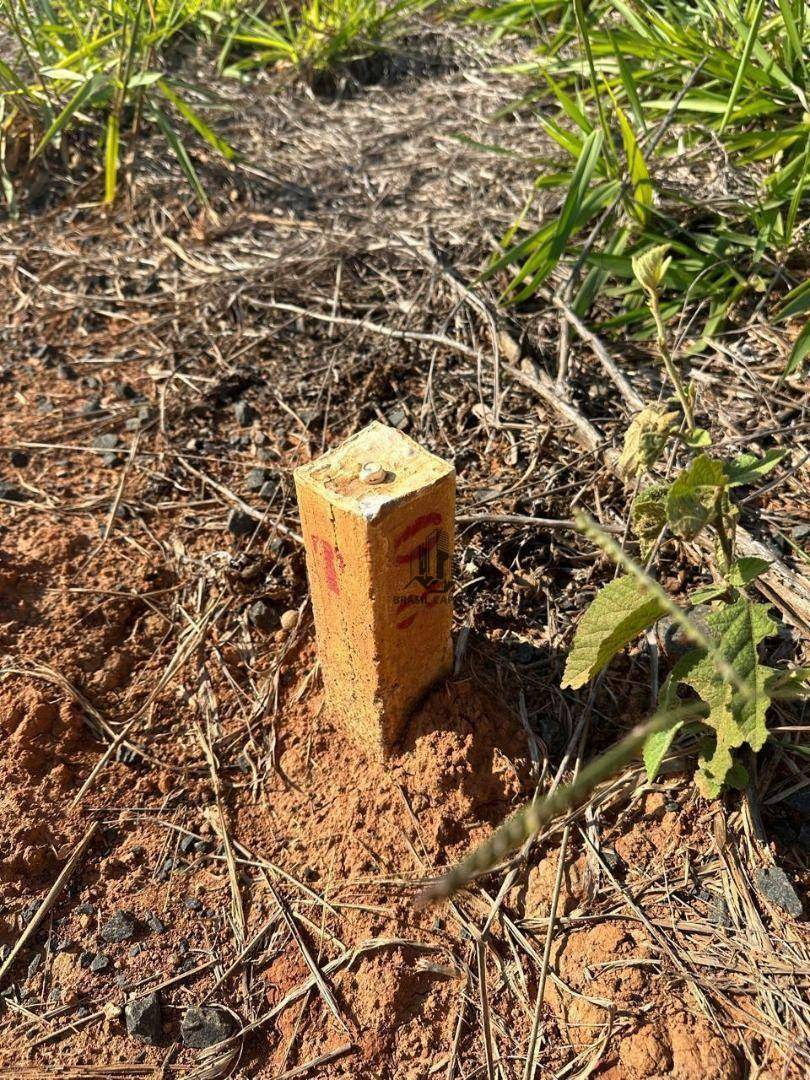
<point>532,817</point>
<point>669,363</point>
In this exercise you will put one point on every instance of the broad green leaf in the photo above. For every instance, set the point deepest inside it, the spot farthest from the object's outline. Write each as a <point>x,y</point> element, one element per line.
<point>698,438</point>
<point>618,614</point>
<point>648,516</point>
<point>745,570</point>
<point>692,498</point>
<point>748,467</point>
<point>707,593</point>
<point>736,629</point>
<point>645,439</point>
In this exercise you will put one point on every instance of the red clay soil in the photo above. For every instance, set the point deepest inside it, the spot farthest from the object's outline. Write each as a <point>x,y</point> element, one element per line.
<point>356,833</point>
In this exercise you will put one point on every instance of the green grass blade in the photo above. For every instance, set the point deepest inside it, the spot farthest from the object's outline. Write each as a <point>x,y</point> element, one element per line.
<point>111,157</point>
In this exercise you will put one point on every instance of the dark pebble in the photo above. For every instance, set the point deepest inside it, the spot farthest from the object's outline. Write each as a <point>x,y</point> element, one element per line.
<point>124,391</point>
<point>144,1019</point>
<point>86,959</point>
<point>397,418</point>
<point>204,1026</point>
<point>269,490</point>
<point>192,904</point>
<point>245,413</point>
<point>65,371</point>
<point>156,925</point>
<point>35,965</point>
<point>257,478</point>
<point>19,459</point>
<point>775,885</point>
<point>263,616</point>
<point>85,909</point>
<point>119,927</point>
<point>241,524</point>
<point>672,807</point>
<point>92,407</point>
<point>12,493</point>
<point>187,843</point>
<point>100,962</point>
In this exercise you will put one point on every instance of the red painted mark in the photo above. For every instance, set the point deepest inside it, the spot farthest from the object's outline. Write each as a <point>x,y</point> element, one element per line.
<point>420,595</point>
<point>416,526</point>
<point>333,562</point>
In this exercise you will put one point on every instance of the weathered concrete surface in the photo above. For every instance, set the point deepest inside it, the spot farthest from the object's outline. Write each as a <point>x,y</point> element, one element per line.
<point>379,544</point>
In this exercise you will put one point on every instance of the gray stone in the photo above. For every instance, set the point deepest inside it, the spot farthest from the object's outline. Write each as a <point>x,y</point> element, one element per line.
<point>245,413</point>
<point>241,524</point>
<point>100,962</point>
<point>156,925</point>
<point>204,1026</point>
<point>263,616</point>
<point>269,490</point>
<point>670,635</point>
<point>11,493</point>
<point>397,417</point>
<point>119,927</point>
<point>257,478</point>
<point>144,1019</point>
<point>775,885</point>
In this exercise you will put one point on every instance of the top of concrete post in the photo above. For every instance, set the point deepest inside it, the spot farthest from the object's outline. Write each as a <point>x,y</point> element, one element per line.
<point>374,470</point>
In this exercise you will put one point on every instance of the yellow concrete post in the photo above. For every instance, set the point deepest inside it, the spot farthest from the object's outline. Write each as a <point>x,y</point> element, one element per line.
<point>377,514</point>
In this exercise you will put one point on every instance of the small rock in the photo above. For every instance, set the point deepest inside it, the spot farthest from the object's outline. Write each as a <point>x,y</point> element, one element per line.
<point>11,493</point>
<point>192,903</point>
<point>397,417</point>
<point>100,962</point>
<point>144,1019</point>
<point>86,959</point>
<point>245,413</point>
<point>124,391</point>
<point>204,1026</point>
<point>800,532</point>
<point>156,925</point>
<point>263,616</point>
<point>119,927</point>
<point>85,909</point>
<point>63,945</point>
<point>671,638</point>
<point>289,620</point>
<point>187,843</point>
<point>526,653</point>
<point>269,490</point>
<point>35,965</point>
<point>107,442</point>
<point>65,371</point>
<point>241,524</point>
<point>672,807</point>
<point>256,479</point>
<point>19,459</point>
<point>136,949</point>
<point>92,407</point>
<point>775,885</point>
